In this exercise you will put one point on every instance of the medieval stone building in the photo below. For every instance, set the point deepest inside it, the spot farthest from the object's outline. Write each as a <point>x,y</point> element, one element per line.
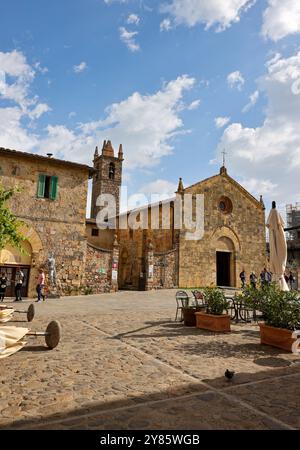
<point>52,206</point>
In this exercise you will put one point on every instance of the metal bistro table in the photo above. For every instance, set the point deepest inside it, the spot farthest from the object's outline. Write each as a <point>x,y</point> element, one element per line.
<point>238,311</point>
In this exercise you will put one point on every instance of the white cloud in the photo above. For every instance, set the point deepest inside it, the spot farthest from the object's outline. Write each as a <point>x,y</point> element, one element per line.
<point>39,110</point>
<point>133,19</point>
<point>236,80</point>
<point>252,101</point>
<point>80,67</point>
<point>161,189</point>
<point>220,122</point>
<point>219,13</point>
<point>144,124</point>
<point>270,153</point>
<point>12,133</point>
<point>71,114</point>
<point>128,37</point>
<point>165,25</point>
<point>15,88</point>
<point>281,18</point>
<point>194,105</point>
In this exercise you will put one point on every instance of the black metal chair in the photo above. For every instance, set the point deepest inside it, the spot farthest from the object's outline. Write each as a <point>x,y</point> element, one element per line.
<point>182,301</point>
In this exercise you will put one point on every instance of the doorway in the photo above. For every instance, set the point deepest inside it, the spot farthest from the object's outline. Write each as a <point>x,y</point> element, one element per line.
<point>223,269</point>
<point>10,272</point>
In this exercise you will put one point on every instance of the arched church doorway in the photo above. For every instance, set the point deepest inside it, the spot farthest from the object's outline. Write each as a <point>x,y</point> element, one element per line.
<point>10,260</point>
<point>225,262</point>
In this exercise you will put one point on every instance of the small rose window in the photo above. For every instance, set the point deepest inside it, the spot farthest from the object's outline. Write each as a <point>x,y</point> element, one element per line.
<point>225,205</point>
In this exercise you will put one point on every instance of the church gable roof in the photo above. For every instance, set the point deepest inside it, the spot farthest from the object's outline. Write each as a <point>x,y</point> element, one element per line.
<point>223,174</point>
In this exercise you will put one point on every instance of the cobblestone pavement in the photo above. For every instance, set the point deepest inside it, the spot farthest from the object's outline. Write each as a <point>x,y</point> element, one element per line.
<point>123,363</point>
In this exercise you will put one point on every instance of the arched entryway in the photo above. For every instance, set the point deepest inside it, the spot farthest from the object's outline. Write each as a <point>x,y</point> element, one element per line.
<point>226,247</point>
<point>225,266</point>
<point>10,259</point>
<point>28,260</point>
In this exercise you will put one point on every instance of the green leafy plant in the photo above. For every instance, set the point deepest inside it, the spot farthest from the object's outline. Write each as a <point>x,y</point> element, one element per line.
<point>215,301</point>
<point>9,224</point>
<point>68,290</point>
<point>280,309</point>
<point>87,290</point>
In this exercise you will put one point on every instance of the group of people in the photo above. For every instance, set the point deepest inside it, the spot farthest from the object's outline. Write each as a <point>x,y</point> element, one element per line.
<point>19,282</point>
<point>265,278</point>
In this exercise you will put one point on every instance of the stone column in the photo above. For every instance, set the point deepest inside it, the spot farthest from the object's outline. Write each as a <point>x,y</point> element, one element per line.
<point>177,262</point>
<point>115,265</point>
<point>149,268</point>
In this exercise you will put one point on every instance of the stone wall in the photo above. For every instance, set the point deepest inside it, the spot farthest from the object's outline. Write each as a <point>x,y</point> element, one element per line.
<point>133,249</point>
<point>98,261</point>
<point>57,225</point>
<point>165,270</point>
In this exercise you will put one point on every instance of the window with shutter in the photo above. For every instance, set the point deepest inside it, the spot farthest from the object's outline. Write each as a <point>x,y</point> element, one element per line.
<point>53,188</point>
<point>41,186</point>
<point>47,187</point>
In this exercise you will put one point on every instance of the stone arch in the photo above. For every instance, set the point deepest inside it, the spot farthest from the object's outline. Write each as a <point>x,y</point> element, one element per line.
<point>32,237</point>
<point>225,232</point>
<point>226,248</point>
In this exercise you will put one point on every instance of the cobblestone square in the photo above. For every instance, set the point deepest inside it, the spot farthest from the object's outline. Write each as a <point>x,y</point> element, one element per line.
<point>124,363</point>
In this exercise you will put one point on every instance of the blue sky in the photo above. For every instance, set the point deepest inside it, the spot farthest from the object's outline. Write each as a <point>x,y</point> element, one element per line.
<point>174,81</point>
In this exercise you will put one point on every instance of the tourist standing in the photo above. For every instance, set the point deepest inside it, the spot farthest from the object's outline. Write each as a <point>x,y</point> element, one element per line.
<point>40,285</point>
<point>264,277</point>
<point>19,280</point>
<point>291,280</point>
<point>243,278</point>
<point>3,285</point>
<point>253,280</point>
<point>286,277</point>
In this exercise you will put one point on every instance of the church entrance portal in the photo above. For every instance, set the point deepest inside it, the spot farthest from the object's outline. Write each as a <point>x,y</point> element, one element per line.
<point>223,268</point>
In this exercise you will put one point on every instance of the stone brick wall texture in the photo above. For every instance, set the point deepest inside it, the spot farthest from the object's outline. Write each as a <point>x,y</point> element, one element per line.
<point>58,225</point>
<point>98,259</point>
<point>165,270</point>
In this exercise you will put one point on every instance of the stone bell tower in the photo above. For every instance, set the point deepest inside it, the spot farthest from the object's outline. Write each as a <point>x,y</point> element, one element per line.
<point>107,178</point>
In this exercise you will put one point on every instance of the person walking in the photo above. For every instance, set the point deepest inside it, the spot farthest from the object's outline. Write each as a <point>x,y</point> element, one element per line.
<point>253,280</point>
<point>291,279</point>
<point>19,280</point>
<point>3,285</point>
<point>40,286</point>
<point>243,278</point>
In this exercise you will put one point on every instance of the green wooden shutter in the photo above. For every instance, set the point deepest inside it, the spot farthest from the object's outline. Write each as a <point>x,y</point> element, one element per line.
<point>53,188</point>
<point>41,186</point>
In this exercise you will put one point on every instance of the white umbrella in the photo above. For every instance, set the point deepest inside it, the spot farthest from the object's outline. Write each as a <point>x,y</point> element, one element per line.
<point>11,340</point>
<point>278,247</point>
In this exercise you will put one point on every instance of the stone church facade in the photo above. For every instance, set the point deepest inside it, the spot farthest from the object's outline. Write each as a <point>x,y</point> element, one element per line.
<point>52,206</point>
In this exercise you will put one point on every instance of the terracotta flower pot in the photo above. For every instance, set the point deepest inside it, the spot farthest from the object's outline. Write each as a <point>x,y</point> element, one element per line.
<point>211,322</point>
<point>277,337</point>
<point>189,318</point>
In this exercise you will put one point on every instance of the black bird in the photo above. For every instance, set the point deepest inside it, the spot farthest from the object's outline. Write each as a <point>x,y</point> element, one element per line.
<point>229,374</point>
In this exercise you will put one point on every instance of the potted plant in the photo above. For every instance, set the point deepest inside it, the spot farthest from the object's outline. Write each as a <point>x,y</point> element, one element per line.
<point>214,319</point>
<point>281,311</point>
<point>189,317</point>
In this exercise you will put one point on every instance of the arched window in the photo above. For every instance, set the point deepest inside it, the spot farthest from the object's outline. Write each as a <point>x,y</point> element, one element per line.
<point>111,172</point>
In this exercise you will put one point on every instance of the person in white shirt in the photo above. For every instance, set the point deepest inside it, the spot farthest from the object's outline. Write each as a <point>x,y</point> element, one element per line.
<point>19,280</point>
